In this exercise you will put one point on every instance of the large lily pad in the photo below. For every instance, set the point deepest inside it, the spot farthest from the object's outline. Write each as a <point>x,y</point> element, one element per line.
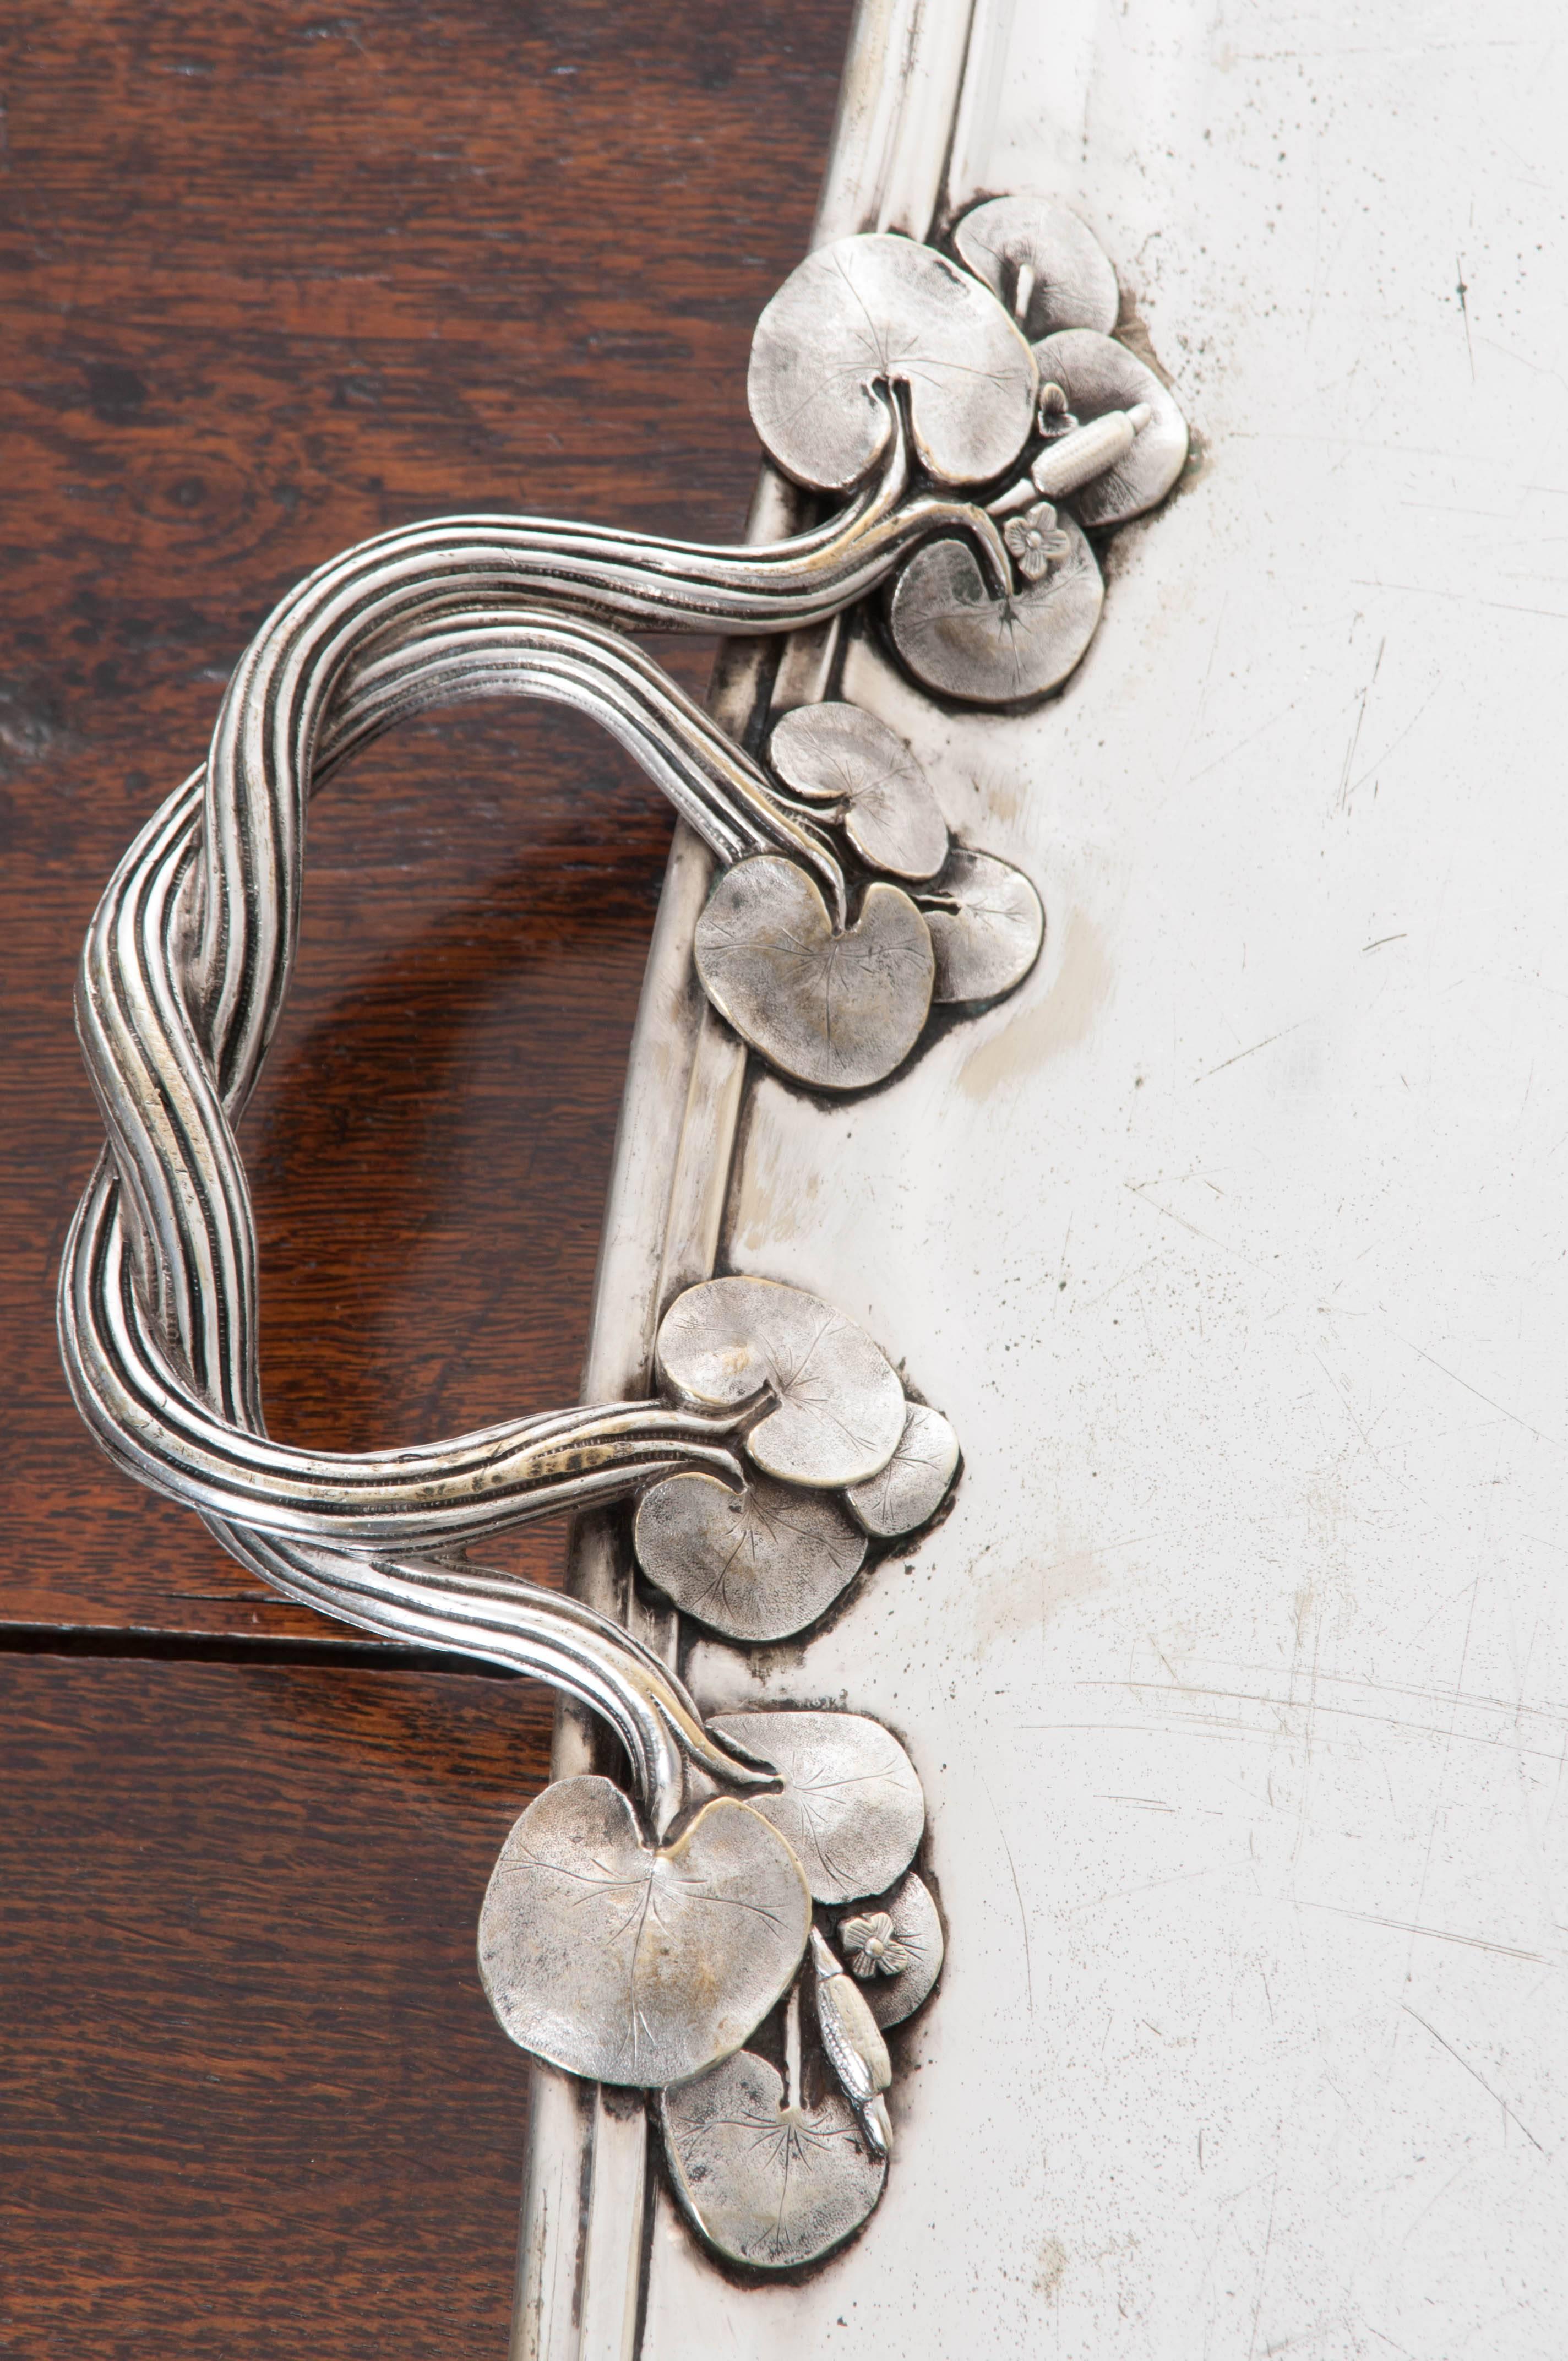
<point>838,1011</point>
<point>766,2184</point>
<point>840,1407</point>
<point>987,926</point>
<point>1096,375</point>
<point>895,1953</point>
<point>1045,265</point>
<point>882,311</point>
<point>914,1484</point>
<point>758,1563</point>
<point>844,756</point>
<point>850,1806</point>
<point>957,635</point>
<point>627,1964</point>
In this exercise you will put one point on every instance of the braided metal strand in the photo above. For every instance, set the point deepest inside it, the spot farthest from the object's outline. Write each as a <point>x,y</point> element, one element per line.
<point>171,1130</point>
<point>263,746</point>
<point>157,1312</point>
<point>184,974</point>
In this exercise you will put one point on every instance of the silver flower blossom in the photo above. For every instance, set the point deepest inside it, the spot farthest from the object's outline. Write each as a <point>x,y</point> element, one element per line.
<point>1034,540</point>
<point>872,1946</point>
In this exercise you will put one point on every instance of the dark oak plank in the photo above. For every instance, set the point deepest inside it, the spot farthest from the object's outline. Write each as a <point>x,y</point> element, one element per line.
<point>270,281</point>
<point>252,2100</point>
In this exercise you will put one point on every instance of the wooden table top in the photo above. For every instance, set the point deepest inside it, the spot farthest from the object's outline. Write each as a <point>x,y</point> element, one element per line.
<point>276,279</point>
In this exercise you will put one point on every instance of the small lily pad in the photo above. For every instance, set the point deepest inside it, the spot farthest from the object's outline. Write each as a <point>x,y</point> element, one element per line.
<point>767,2184</point>
<point>873,311</point>
<point>758,1563</point>
<point>840,1406</point>
<point>957,635</point>
<point>851,1807</point>
<point>913,1484</point>
<point>987,926</point>
<point>1036,248</point>
<point>631,1965</point>
<point>840,754</point>
<point>1097,374</point>
<point>836,1010</point>
<point>896,1979</point>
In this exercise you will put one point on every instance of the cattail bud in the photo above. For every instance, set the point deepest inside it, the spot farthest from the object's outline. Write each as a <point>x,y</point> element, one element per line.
<point>1088,451</point>
<point>853,2041</point>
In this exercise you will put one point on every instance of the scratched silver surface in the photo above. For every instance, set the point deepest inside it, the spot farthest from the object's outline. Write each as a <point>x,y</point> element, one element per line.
<point>1236,1678</point>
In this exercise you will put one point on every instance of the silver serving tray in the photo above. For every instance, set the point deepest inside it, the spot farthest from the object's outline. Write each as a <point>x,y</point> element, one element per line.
<point>1234,1247</point>
<point>1227,1235</point>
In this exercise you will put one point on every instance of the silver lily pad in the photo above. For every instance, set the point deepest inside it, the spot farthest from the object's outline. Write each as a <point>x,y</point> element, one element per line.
<point>896,1979</point>
<point>987,925</point>
<point>840,754</point>
<point>851,1807</point>
<point>838,1406</point>
<point>1047,267</point>
<point>631,1965</point>
<point>768,2184</point>
<point>758,1563</point>
<point>838,1011</point>
<point>883,310</point>
<point>956,634</point>
<point>1097,374</point>
<point>915,1482</point>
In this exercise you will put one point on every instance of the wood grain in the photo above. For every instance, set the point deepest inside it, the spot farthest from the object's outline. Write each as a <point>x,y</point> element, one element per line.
<point>271,281</point>
<point>252,2101</point>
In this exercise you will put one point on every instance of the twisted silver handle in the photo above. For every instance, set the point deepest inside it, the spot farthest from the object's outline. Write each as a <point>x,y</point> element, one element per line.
<point>184,977</point>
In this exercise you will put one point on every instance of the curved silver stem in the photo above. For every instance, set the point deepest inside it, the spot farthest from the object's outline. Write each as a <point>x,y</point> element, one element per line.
<point>155,1424</point>
<point>172,1136</point>
<point>711,781</point>
<point>184,975</point>
<point>264,744</point>
<point>543,1633</point>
